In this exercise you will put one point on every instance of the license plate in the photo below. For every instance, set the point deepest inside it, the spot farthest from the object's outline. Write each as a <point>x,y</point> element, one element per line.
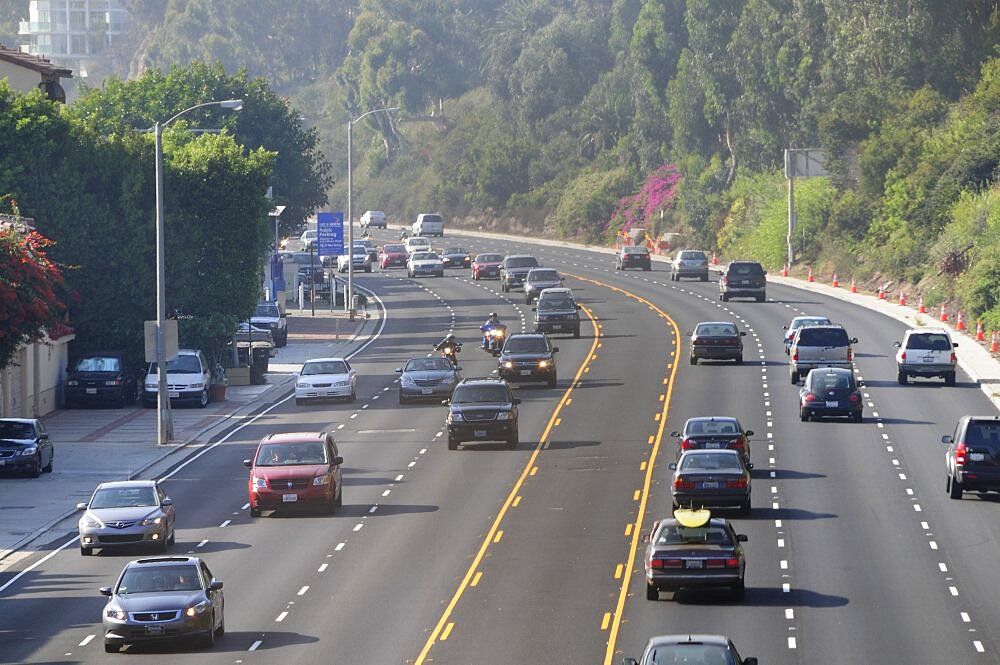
<point>3,462</point>
<point>745,282</point>
<point>174,394</point>
<point>693,563</point>
<point>289,498</point>
<point>426,391</point>
<point>91,391</point>
<point>710,485</point>
<point>154,630</point>
<point>557,326</point>
<point>977,457</point>
<point>928,359</point>
<point>832,405</point>
<point>479,432</point>
<point>713,444</point>
<point>525,372</point>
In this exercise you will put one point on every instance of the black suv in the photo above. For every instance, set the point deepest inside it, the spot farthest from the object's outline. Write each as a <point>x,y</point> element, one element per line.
<point>482,410</point>
<point>514,269</point>
<point>557,311</point>
<point>528,357</point>
<point>101,377</point>
<point>973,456</point>
<point>633,256</point>
<point>743,279</point>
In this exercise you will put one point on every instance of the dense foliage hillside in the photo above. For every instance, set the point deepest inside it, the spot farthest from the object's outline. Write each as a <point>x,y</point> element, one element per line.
<point>541,115</point>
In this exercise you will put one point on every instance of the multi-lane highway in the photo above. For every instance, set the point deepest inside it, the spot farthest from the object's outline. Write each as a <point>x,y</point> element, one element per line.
<point>486,555</point>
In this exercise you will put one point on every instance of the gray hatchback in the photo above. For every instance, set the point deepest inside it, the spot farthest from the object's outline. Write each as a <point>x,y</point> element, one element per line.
<point>128,512</point>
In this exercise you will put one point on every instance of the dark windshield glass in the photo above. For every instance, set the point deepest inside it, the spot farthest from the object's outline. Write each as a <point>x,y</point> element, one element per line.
<point>635,249</point>
<point>291,454</point>
<point>15,430</point>
<point>157,579</point>
<point>431,219</point>
<point>324,367</point>
<point>393,249</point>
<point>746,269</point>
<point>696,427</point>
<point>715,330</point>
<point>424,256</point>
<point>267,310</point>
<point>489,258</point>
<point>455,250</point>
<point>823,337</point>
<point>929,342</point>
<point>560,301</point>
<point>710,462</point>
<point>427,365</point>
<point>102,364</point>
<point>484,393</point>
<point>829,381</point>
<point>180,365</point>
<point>525,345</point>
<point>124,497</point>
<point>691,255</point>
<point>675,534</point>
<point>543,275</point>
<point>522,262</point>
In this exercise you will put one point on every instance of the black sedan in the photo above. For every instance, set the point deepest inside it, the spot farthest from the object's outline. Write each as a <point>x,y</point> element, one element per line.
<point>714,433</point>
<point>689,648</point>
<point>717,340</point>
<point>711,478</point>
<point>830,391</point>
<point>456,257</point>
<point>694,550</point>
<point>25,446</point>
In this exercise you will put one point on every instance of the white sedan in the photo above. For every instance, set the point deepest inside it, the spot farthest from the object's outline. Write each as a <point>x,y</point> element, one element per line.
<point>425,263</point>
<point>326,378</point>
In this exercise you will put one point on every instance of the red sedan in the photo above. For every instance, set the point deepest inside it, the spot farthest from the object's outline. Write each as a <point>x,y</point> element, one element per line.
<point>392,256</point>
<point>486,266</point>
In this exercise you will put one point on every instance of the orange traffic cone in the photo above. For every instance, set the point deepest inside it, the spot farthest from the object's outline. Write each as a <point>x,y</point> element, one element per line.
<point>944,314</point>
<point>881,293</point>
<point>960,324</point>
<point>902,298</point>
<point>784,271</point>
<point>836,284</point>
<point>980,336</point>
<point>715,261</point>
<point>854,286</point>
<point>920,306</point>
<point>811,278</point>
<point>994,344</point>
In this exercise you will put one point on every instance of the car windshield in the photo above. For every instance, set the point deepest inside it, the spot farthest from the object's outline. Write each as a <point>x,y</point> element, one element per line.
<point>546,275</point>
<point>829,381</point>
<point>929,342</point>
<point>393,249</point>
<point>324,367</point>
<point>291,454</point>
<point>489,258</point>
<point>427,365</point>
<point>560,301</point>
<point>522,262</point>
<point>311,233</point>
<point>419,242</point>
<point>711,462</point>
<point>455,250</point>
<point>433,219</point>
<point>270,311</point>
<point>124,497</point>
<point>180,365</point>
<point>424,256</point>
<point>702,654</point>
<point>814,321</point>
<point>746,269</point>
<point>693,256</point>
<point>99,364</point>
<point>823,337</point>
<point>696,427</point>
<point>635,249</point>
<point>10,429</point>
<point>715,330</point>
<point>158,579</point>
<point>983,433</point>
<point>476,394</point>
<point>525,345</point>
<point>675,534</point>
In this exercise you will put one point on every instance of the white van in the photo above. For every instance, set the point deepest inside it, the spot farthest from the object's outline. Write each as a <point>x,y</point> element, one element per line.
<point>188,377</point>
<point>373,219</point>
<point>429,224</point>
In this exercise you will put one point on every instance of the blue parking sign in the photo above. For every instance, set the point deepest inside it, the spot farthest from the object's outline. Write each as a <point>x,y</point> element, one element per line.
<point>329,233</point>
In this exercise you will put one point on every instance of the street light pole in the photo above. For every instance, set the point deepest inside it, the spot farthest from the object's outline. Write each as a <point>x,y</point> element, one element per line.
<point>164,419</point>
<point>349,296</point>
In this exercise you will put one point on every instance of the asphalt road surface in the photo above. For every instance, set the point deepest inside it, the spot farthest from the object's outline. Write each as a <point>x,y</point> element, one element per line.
<point>486,555</point>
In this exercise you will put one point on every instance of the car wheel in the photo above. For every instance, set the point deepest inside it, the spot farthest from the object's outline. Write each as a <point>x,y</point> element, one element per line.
<point>745,508</point>
<point>110,647</point>
<point>120,400</point>
<point>331,506</point>
<point>340,496</point>
<point>673,277</point>
<point>576,333</point>
<point>354,395</point>
<point>368,268</point>
<point>761,298</point>
<point>652,593</point>
<point>513,440</point>
<point>162,546</point>
<point>203,399</point>
<point>949,379</point>
<point>35,470</point>
<point>647,268</point>
<point>740,590</point>
<point>504,287</point>
<point>803,415</point>
<point>254,512</point>
<point>209,640</point>
<point>552,381</point>
<point>221,630</point>
<point>724,297</point>
<point>954,488</point>
<point>402,398</point>
<point>857,417</point>
<point>48,467</point>
<point>794,376</point>
<point>704,278</point>
<point>694,360</point>
<point>452,444</point>
<point>86,551</point>
<point>172,540</point>
<point>901,378</point>
<point>738,359</point>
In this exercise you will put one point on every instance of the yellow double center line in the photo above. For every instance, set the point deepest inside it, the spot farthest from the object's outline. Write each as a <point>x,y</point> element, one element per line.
<point>444,627</point>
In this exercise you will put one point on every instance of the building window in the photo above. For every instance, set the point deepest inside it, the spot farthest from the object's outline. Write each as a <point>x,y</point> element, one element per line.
<point>58,45</point>
<point>77,20</point>
<point>78,44</point>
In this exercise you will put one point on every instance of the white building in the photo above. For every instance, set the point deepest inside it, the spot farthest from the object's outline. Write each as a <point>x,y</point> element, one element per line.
<point>74,33</point>
<point>26,72</point>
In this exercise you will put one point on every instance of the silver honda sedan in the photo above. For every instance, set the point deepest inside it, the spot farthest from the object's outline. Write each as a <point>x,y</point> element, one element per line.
<point>427,378</point>
<point>130,512</point>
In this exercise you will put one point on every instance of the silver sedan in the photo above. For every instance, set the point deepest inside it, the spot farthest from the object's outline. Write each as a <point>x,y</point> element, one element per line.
<point>131,512</point>
<point>427,378</point>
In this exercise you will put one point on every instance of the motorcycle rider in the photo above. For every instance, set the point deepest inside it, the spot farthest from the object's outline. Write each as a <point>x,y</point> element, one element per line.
<point>449,341</point>
<point>402,234</point>
<point>492,323</point>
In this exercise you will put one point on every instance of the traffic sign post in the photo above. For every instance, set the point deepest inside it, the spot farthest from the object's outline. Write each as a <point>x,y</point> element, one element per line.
<point>330,233</point>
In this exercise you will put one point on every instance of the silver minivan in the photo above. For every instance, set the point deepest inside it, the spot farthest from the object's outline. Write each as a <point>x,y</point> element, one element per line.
<point>819,346</point>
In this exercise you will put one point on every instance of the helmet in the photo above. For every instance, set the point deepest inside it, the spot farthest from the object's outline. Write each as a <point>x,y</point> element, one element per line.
<point>493,315</point>
<point>450,336</point>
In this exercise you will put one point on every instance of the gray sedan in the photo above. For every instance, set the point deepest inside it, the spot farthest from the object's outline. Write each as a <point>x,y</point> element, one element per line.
<point>131,512</point>
<point>427,378</point>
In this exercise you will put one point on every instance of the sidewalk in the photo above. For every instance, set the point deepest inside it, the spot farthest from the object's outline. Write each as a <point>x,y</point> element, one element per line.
<point>104,444</point>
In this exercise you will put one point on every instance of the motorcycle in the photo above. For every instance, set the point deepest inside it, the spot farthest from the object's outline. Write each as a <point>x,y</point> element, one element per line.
<point>450,353</point>
<point>493,339</point>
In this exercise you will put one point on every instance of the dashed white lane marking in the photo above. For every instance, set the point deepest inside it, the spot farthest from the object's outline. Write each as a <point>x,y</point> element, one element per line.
<point>86,640</point>
<point>225,524</point>
<point>942,567</point>
<point>202,543</point>
<point>965,617</point>
<point>411,464</point>
<point>932,544</point>
<point>323,567</point>
<point>979,646</point>
<point>953,590</point>
<point>373,509</point>
<point>245,506</point>
<point>253,647</point>
<point>281,617</point>
<point>791,642</point>
<point>786,587</point>
<point>339,547</point>
<point>783,564</point>
<point>386,492</point>
<point>789,613</point>
<point>359,526</point>
<point>399,477</point>
<point>303,590</point>
<point>422,451</point>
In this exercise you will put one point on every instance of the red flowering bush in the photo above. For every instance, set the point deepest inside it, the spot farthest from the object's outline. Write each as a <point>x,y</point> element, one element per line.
<point>29,307</point>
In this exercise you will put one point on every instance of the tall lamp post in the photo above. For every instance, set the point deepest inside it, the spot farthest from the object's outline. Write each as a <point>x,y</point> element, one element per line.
<point>349,296</point>
<point>164,421</point>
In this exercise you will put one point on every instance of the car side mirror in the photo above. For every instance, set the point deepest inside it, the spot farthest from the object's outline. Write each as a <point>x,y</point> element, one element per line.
<point>81,506</point>
<point>399,370</point>
<point>516,401</point>
<point>646,537</point>
<point>578,307</point>
<point>675,434</point>
<point>741,537</point>
<point>749,432</point>
<point>167,501</point>
<point>337,461</point>
<point>554,349</point>
<point>534,309</point>
<point>105,591</point>
<point>633,661</point>
<point>954,345</point>
<point>854,340</point>
<point>446,402</point>
<point>765,272</point>
<point>672,466</point>
<point>784,327</point>
<point>215,585</point>
<point>897,344</point>
<point>750,661</point>
<point>247,463</point>
<point>743,333</point>
<point>749,466</point>
<point>947,438</point>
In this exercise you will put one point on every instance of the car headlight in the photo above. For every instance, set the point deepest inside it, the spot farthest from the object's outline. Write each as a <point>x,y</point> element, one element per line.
<point>343,383</point>
<point>503,415</point>
<point>258,482</point>
<point>543,363</point>
<point>304,385</point>
<point>90,522</point>
<point>151,385</point>
<point>455,417</point>
<point>508,365</point>
<point>113,382</point>
<point>30,450</point>
<point>195,610</point>
<point>114,613</point>
<point>150,521</point>
<point>406,381</point>
<point>322,480</point>
<point>196,386</point>
<point>72,383</point>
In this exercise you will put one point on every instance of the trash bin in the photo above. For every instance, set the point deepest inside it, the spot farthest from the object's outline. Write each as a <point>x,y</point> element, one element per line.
<point>258,368</point>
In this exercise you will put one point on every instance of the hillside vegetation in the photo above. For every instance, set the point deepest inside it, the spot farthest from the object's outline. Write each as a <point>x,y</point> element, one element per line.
<point>540,116</point>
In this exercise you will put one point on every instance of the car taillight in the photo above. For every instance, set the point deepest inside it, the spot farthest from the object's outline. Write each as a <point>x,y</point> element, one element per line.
<point>954,357</point>
<point>725,280</point>
<point>688,444</point>
<point>902,356</point>
<point>681,483</point>
<point>810,398</point>
<point>715,563</point>
<point>854,397</point>
<point>736,443</point>
<point>960,453</point>
<point>673,563</point>
<point>732,563</point>
<point>795,356</point>
<point>737,484</point>
<point>656,563</point>
<point>850,355</point>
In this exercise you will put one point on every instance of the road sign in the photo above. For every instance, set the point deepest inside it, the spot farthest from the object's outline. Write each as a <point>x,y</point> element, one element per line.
<point>169,339</point>
<point>804,163</point>
<point>329,233</point>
